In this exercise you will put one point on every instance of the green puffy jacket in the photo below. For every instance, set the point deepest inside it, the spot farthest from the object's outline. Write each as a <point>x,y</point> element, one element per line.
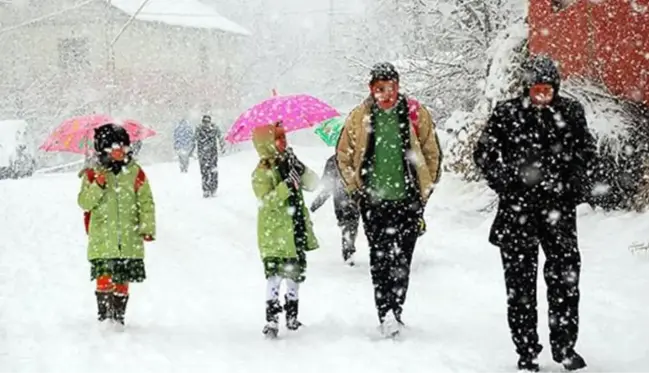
<point>275,235</point>
<point>122,212</point>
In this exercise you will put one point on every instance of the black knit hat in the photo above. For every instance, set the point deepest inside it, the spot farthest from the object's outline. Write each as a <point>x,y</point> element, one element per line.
<point>109,134</point>
<point>541,69</point>
<point>383,71</point>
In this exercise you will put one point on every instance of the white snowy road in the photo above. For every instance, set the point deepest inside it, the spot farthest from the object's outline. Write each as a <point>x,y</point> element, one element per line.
<point>202,306</point>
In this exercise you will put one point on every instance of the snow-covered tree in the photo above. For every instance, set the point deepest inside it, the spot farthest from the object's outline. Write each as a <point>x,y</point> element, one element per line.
<point>450,53</point>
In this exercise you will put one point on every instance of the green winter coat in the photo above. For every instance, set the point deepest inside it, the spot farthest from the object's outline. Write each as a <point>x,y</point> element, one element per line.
<point>120,216</point>
<point>275,236</point>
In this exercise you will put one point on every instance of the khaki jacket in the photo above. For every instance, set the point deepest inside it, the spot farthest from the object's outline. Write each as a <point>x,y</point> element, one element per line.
<point>353,143</point>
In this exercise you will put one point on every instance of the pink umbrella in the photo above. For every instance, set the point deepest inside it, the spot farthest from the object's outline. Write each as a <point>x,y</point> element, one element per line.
<point>75,134</point>
<point>295,112</point>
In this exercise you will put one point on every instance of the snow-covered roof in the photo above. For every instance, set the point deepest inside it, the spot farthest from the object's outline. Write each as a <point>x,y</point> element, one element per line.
<point>185,13</point>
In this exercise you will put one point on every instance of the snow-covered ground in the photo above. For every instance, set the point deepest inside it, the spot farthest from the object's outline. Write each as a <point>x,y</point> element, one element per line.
<point>202,306</point>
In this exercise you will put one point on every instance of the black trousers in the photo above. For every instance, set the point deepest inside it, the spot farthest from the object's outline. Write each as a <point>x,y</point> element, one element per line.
<point>349,228</point>
<point>558,238</point>
<point>391,230</point>
<point>209,175</point>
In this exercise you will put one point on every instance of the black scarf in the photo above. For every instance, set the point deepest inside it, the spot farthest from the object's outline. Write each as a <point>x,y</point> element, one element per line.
<point>286,163</point>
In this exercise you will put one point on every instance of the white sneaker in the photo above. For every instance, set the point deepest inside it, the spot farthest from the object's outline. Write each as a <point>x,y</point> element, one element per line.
<point>390,327</point>
<point>271,329</point>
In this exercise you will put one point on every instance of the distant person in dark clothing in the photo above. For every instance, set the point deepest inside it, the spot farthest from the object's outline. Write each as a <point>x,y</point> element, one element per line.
<point>207,139</point>
<point>346,210</point>
<point>536,153</point>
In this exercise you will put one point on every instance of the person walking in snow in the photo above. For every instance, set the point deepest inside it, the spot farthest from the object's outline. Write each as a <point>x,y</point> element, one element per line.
<point>345,209</point>
<point>389,159</point>
<point>536,153</point>
<point>116,197</point>
<point>207,137</point>
<point>284,228</point>
<point>184,143</point>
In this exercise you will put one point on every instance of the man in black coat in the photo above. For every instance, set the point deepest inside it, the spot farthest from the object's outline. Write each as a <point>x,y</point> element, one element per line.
<point>207,138</point>
<point>346,211</point>
<point>536,154</point>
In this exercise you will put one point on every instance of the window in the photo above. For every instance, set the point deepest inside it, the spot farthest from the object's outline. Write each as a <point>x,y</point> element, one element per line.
<point>559,5</point>
<point>74,54</point>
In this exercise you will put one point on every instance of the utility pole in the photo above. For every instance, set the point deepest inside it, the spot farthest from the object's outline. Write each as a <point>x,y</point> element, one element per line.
<point>110,64</point>
<point>110,58</point>
<point>331,25</point>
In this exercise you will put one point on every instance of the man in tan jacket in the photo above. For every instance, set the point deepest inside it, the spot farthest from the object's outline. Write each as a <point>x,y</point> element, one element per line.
<point>389,157</point>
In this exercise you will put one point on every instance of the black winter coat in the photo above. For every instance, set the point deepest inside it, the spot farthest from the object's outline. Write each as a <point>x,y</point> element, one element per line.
<point>535,160</point>
<point>344,207</point>
<point>207,139</point>
<point>540,155</point>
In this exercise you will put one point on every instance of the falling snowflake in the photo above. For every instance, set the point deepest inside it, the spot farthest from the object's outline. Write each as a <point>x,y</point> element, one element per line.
<point>571,277</point>
<point>554,216</point>
<point>600,189</point>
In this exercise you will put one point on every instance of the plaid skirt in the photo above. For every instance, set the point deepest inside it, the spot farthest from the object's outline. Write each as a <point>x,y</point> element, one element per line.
<point>291,268</point>
<point>120,270</point>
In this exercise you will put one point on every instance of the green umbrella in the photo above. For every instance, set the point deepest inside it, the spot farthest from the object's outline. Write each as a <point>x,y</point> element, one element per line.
<point>330,129</point>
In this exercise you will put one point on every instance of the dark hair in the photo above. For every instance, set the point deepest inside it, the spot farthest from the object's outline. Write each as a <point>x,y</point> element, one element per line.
<point>383,71</point>
<point>108,134</point>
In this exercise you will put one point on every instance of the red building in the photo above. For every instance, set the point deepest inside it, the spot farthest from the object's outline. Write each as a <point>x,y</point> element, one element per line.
<point>604,40</point>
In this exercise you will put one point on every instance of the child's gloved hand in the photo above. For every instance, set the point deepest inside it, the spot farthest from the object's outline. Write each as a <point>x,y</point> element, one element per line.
<point>100,179</point>
<point>294,178</point>
<point>294,162</point>
<point>147,238</point>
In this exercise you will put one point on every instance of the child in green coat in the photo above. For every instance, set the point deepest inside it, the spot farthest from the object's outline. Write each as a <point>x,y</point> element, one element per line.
<point>284,228</point>
<point>120,215</point>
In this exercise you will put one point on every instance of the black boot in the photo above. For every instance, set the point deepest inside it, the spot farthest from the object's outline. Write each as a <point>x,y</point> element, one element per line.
<point>572,361</point>
<point>273,309</point>
<point>528,364</point>
<point>119,307</point>
<point>528,361</point>
<point>291,308</point>
<point>398,311</point>
<point>348,257</point>
<point>104,305</point>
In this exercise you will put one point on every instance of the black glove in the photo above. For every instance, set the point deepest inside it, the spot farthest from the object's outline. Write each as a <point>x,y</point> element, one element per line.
<point>357,198</point>
<point>288,173</point>
<point>294,162</point>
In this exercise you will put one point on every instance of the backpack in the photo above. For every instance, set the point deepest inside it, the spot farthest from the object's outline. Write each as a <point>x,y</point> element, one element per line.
<point>413,114</point>
<point>90,174</point>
